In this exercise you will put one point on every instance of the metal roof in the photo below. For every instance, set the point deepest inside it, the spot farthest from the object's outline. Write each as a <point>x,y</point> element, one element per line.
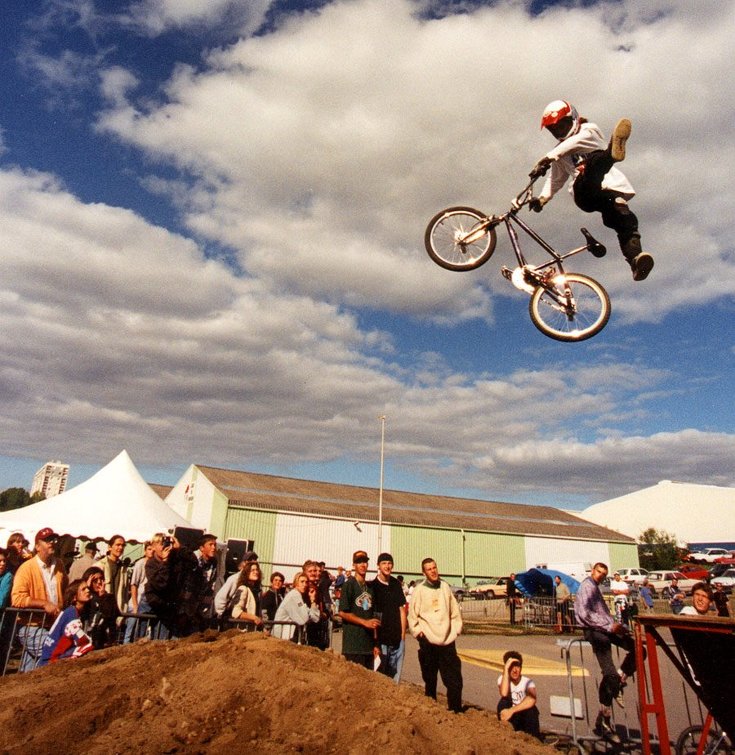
<point>287,494</point>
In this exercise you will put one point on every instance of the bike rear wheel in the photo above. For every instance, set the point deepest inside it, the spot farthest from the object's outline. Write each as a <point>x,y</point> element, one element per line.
<point>444,239</point>
<point>689,741</point>
<point>572,308</point>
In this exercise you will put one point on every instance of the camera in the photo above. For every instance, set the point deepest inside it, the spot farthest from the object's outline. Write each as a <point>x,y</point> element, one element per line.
<point>167,542</point>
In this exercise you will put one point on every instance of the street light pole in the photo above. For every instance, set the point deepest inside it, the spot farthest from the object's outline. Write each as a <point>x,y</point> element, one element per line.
<point>380,496</point>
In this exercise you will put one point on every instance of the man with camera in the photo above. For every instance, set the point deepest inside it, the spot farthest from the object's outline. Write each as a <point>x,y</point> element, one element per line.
<point>165,572</point>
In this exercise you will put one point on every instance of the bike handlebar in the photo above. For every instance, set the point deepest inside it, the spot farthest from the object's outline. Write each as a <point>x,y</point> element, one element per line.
<point>525,196</point>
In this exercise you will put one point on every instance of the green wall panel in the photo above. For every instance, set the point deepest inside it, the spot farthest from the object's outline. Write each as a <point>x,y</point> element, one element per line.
<point>472,555</point>
<point>623,555</point>
<point>489,554</point>
<point>411,545</point>
<point>250,524</point>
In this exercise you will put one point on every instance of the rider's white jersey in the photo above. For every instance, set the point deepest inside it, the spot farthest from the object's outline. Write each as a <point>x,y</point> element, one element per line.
<point>568,155</point>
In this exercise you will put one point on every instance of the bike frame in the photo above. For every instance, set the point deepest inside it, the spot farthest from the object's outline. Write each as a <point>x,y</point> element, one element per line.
<point>510,217</point>
<point>556,258</point>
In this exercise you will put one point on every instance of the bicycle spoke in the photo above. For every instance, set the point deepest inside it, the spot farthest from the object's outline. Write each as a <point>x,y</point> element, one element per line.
<point>457,239</point>
<point>575,308</point>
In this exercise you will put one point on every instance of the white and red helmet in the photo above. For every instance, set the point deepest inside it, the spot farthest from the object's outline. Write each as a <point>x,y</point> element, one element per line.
<point>557,111</point>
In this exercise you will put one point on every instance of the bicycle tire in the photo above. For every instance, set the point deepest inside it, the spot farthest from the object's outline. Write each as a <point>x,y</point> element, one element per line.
<point>592,310</point>
<point>689,739</point>
<point>443,231</point>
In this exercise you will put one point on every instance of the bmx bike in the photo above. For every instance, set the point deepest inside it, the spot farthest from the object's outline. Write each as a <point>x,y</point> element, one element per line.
<point>564,306</point>
<point>707,739</point>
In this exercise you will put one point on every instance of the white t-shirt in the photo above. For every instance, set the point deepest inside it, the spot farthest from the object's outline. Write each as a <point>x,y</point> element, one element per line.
<point>620,586</point>
<point>692,611</point>
<point>519,692</point>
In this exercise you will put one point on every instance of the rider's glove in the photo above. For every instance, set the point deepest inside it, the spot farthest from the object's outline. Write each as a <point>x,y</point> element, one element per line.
<point>540,168</point>
<point>537,204</point>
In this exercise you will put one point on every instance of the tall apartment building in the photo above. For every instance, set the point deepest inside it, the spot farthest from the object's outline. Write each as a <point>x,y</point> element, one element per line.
<point>50,479</point>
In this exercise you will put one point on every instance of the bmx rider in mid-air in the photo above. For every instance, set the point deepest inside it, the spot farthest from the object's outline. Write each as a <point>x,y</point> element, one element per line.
<point>598,186</point>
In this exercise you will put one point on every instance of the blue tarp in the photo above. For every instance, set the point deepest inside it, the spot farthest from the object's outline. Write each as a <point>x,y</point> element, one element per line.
<point>540,582</point>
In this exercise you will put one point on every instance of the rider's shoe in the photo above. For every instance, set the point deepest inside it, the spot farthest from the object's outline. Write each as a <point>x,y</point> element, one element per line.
<point>641,265</point>
<point>619,698</point>
<point>620,136</point>
<point>604,729</point>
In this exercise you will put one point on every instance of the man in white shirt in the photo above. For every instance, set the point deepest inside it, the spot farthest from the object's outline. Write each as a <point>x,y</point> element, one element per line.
<point>517,703</point>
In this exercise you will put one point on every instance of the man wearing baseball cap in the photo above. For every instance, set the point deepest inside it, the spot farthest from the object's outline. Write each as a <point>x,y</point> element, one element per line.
<point>390,603</point>
<point>39,584</point>
<point>359,626</point>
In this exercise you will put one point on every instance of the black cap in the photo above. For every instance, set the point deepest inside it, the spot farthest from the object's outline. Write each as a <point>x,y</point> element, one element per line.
<point>385,557</point>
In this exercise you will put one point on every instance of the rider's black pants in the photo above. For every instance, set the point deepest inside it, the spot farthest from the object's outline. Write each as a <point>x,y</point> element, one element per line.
<point>602,643</point>
<point>589,196</point>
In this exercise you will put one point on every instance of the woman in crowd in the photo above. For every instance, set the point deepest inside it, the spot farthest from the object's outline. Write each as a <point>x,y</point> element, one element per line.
<point>67,638</point>
<point>6,620</point>
<point>103,609</point>
<point>273,596</point>
<point>247,603</point>
<point>6,579</point>
<point>294,608</point>
<point>17,551</point>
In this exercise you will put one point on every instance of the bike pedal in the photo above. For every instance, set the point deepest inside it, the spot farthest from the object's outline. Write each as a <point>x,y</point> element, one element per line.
<point>506,272</point>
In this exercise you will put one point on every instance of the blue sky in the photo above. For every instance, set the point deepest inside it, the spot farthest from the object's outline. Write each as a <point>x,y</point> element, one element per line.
<point>213,216</point>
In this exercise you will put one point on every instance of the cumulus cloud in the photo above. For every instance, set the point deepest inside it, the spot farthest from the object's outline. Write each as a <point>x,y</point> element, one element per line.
<point>155,17</point>
<point>118,333</point>
<point>314,154</point>
<point>331,141</point>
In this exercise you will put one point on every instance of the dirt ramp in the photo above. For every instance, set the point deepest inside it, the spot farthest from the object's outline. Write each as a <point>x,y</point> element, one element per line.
<point>234,692</point>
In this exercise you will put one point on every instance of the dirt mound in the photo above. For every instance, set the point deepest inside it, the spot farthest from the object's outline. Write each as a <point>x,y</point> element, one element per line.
<point>233,692</point>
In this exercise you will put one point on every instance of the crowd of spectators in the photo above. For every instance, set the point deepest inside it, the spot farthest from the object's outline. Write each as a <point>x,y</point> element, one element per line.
<point>171,591</point>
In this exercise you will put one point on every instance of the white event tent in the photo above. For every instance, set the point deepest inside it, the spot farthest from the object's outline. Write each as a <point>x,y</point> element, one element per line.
<point>114,501</point>
<point>693,513</point>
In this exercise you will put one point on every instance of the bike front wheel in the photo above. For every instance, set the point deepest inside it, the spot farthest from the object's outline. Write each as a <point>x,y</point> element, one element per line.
<point>571,307</point>
<point>446,234</point>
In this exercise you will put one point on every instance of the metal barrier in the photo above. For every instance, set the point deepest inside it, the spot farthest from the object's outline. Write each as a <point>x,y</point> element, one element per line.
<point>546,613</point>
<point>23,630</point>
<point>582,705</point>
<point>298,638</point>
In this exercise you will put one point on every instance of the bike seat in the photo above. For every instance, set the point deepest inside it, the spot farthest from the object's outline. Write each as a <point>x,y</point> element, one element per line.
<point>595,247</point>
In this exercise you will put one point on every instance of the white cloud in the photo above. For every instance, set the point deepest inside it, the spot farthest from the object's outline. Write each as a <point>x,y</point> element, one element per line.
<point>120,334</point>
<point>330,142</point>
<point>155,17</point>
<point>317,153</point>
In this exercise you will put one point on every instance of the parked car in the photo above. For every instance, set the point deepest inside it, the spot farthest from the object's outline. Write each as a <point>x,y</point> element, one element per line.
<point>634,575</point>
<point>727,580</point>
<point>694,571</point>
<point>719,569</point>
<point>495,587</point>
<point>459,592</point>
<point>729,560</point>
<point>660,579</point>
<point>708,555</point>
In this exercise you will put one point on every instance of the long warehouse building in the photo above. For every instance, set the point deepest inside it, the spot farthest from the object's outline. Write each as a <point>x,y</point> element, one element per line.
<point>292,520</point>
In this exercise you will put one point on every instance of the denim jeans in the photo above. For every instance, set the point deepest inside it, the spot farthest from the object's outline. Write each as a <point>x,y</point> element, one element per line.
<point>136,628</point>
<point>391,657</point>
<point>32,640</point>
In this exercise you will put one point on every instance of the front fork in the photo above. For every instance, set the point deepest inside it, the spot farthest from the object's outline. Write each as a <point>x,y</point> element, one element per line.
<point>528,279</point>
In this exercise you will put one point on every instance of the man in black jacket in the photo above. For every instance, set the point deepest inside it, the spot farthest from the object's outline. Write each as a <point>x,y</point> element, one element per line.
<point>512,597</point>
<point>170,573</point>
